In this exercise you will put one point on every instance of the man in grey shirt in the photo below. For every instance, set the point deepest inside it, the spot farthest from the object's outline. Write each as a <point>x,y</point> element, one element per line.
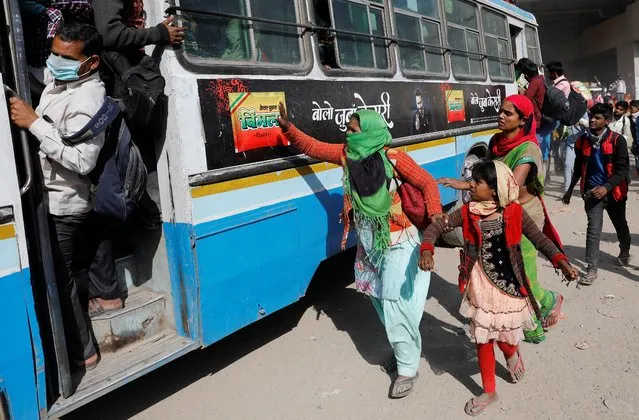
<point>68,103</point>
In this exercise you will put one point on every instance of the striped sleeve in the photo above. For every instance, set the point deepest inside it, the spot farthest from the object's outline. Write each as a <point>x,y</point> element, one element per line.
<point>327,152</point>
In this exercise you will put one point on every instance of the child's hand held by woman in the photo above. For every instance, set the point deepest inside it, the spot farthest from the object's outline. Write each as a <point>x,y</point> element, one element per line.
<point>426,261</point>
<point>569,271</point>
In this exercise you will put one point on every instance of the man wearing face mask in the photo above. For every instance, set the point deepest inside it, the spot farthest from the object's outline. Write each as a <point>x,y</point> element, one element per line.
<point>66,106</point>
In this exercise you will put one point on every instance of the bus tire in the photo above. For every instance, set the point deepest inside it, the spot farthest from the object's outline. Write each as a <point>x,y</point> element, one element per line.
<point>456,237</point>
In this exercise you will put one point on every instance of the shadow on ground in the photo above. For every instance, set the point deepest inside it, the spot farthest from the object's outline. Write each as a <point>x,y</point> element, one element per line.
<point>446,347</point>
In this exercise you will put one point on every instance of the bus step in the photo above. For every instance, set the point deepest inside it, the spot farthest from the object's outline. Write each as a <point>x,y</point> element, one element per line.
<point>126,271</point>
<point>116,370</point>
<point>143,315</point>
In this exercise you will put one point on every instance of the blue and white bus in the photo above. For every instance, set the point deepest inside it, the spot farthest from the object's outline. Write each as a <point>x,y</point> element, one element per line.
<point>246,220</point>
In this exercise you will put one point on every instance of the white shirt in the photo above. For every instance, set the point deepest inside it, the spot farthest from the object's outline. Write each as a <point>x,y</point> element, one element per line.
<point>64,166</point>
<point>623,127</point>
<point>621,86</point>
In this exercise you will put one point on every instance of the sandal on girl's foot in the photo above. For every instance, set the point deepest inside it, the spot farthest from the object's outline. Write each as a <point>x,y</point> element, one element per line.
<point>555,313</point>
<point>474,407</point>
<point>402,387</point>
<point>518,369</point>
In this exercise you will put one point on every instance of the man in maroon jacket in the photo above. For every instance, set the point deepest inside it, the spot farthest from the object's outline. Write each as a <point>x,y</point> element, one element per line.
<point>536,92</point>
<point>536,86</point>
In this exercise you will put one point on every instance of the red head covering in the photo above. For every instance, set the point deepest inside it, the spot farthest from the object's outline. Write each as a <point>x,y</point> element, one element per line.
<point>500,145</point>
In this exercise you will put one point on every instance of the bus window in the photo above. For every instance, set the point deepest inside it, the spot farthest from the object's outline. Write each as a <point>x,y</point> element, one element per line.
<point>463,37</point>
<point>419,21</point>
<point>496,41</point>
<point>532,45</point>
<point>229,39</point>
<point>366,17</point>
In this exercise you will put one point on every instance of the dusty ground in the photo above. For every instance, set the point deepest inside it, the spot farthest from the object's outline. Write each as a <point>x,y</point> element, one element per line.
<point>318,359</point>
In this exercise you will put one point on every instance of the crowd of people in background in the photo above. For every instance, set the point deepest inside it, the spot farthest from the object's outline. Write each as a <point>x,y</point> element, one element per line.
<point>594,150</point>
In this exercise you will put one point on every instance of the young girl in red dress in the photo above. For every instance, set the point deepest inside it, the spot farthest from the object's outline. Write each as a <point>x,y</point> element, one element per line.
<point>497,296</point>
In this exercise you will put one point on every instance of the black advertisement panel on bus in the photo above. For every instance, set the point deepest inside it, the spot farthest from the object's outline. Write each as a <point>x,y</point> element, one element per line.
<point>240,115</point>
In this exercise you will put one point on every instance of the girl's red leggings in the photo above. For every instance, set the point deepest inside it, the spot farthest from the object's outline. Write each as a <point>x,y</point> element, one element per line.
<point>486,355</point>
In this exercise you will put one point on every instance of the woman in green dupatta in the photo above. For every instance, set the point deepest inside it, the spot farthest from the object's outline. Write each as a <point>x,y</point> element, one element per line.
<point>517,147</point>
<point>388,243</point>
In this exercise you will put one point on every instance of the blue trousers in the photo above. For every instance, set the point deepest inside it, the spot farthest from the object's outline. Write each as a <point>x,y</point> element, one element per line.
<point>569,165</point>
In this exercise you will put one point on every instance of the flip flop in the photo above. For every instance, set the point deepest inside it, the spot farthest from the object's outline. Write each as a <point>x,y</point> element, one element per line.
<point>95,308</point>
<point>474,408</point>
<point>518,365</point>
<point>401,388</point>
<point>87,367</point>
<point>555,314</point>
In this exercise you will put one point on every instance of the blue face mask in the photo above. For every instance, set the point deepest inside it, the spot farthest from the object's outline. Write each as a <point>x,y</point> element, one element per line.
<point>64,69</point>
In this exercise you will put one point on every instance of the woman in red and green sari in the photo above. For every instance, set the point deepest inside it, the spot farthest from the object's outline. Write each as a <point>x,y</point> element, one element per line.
<point>517,147</point>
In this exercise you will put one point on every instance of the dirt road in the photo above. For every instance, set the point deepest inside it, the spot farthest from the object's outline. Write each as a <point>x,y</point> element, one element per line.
<point>319,358</point>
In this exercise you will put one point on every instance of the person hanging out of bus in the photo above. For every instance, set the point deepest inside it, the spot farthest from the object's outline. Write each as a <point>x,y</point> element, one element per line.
<point>122,25</point>
<point>498,298</point>
<point>68,103</point>
<point>325,38</point>
<point>41,20</point>
<point>518,148</point>
<point>388,243</point>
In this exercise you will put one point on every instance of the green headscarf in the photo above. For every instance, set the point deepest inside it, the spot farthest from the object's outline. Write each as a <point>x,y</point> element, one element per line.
<point>375,208</point>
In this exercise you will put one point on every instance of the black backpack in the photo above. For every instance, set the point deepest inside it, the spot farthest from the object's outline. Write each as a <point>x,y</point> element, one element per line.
<point>555,104</point>
<point>139,84</point>
<point>568,111</point>
<point>120,175</point>
<point>577,107</point>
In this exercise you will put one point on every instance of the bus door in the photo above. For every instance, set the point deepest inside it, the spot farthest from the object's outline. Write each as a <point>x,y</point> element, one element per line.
<point>46,322</point>
<point>22,384</point>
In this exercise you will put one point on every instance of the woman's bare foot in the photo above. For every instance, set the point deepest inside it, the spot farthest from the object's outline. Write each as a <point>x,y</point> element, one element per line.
<point>516,367</point>
<point>476,406</point>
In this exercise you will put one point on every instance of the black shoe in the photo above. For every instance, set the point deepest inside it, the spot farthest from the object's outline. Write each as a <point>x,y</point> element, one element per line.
<point>589,277</point>
<point>623,259</point>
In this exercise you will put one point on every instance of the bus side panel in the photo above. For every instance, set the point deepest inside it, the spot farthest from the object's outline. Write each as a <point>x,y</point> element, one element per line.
<point>249,267</point>
<point>16,354</point>
<point>255,261</point>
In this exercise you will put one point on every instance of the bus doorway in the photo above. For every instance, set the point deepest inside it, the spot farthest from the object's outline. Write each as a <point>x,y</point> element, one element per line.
<point>150,330</point>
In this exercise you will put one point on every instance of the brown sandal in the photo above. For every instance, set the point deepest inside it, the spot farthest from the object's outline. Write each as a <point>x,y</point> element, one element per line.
<point>96,308</point>
<point>402,387</point>
<point>474,408</point>
<point>83,365</point>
